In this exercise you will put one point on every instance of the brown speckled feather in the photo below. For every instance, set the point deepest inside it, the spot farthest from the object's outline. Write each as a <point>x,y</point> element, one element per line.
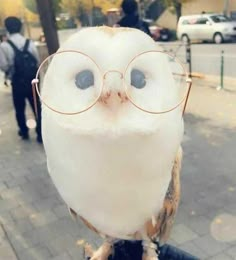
<point>166,216</point>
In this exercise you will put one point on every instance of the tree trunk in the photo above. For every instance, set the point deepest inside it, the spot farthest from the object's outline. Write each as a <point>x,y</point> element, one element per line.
<point>48,23</point>
<point>178,9</point>
<point>226,7</point>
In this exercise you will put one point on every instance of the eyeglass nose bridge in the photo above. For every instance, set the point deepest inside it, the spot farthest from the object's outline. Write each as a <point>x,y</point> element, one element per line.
<point>114,71</point>
<point>106,91</point>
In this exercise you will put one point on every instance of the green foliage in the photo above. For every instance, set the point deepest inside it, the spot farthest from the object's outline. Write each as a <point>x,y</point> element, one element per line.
<point>98,17</point>
<point>56,6</point>
<point>32,6</point>
<point>72,6</point>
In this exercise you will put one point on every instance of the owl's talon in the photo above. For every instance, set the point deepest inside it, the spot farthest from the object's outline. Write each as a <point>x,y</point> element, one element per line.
<point>101,254</point>
<point>88,251</point>
<point>149,251</point>
<point>150,257</point>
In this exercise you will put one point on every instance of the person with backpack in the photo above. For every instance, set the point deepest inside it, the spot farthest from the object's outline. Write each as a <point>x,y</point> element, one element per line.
<point>22,64</point>
<point>131,17</point>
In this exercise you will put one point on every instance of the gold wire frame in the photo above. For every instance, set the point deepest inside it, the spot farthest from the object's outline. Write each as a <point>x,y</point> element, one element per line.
<point>35,84</point>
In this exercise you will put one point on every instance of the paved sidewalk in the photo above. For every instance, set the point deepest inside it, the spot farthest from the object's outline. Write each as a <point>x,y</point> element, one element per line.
<point>34,221</point>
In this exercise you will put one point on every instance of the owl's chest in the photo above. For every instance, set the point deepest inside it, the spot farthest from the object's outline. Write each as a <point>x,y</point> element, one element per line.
<point>103,161</point>
<point>109,160</point>
<point>112,181</point>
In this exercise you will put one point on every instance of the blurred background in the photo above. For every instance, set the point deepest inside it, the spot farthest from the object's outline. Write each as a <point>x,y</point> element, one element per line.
<point>72,14</point>
<point>197,24</point>
<point>34,221</point>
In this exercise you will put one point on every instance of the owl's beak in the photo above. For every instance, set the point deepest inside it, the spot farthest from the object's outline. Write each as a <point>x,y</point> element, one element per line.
<point>109,96</point>
<point>113,91</point>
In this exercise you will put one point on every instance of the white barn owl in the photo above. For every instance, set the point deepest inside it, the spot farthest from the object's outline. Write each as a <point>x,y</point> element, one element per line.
<point>116,164</point>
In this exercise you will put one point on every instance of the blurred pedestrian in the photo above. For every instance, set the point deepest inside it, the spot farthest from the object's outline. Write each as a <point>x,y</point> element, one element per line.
<point>131,17</point>
<point>3,60</point>
<point>3,38</point>
<point>22,62</point>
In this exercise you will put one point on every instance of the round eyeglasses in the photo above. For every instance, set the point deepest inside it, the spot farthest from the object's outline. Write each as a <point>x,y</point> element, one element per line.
<point>71,82</point>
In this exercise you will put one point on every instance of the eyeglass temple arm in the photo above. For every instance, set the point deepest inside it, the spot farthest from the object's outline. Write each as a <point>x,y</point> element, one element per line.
<point>189,82</point>
<point>34,86</point>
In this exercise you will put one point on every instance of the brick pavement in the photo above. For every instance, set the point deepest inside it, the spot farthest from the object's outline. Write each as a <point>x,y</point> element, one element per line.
<point>35,223</point>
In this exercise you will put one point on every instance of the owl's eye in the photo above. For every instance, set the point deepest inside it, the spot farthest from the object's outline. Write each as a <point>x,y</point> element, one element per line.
<point>138,79</point>
<point>84,79</point>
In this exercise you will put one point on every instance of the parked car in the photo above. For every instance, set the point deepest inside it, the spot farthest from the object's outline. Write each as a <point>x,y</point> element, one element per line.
<point>65,21</point>
<point>206,27</point>
<point>158,33</point>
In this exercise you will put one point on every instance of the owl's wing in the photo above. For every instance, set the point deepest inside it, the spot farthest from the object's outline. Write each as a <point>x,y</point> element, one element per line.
<point>87,224</point>
<point>166,216</point>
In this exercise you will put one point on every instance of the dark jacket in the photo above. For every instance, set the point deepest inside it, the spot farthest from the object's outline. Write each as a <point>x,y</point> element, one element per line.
<point>133,21</point>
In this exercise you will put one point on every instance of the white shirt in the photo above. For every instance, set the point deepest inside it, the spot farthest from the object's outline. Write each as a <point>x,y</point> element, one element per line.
<point>19,40</point>
<point>3,60</point>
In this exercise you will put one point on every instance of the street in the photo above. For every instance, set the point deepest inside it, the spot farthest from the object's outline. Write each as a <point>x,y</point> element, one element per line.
<point>206,58</point>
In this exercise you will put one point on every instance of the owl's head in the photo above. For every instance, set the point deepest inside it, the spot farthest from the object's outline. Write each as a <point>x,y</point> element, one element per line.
<point>119,74</point>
